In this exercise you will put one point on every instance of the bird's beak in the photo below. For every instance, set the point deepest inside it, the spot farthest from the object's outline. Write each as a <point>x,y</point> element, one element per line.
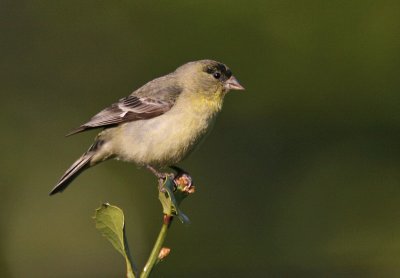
<point>233,84</point>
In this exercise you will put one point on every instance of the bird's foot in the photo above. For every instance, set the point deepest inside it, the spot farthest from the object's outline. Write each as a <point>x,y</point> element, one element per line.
<point>160,176</point>
<point>173,188</point>
<point>181,179</point>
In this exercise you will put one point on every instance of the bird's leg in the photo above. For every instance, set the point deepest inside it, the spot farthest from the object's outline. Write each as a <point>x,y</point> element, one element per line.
<point>160,176</point>
<point>181,177</point>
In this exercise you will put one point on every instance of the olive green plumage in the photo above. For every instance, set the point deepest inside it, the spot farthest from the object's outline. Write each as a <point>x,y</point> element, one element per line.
<point>160,123</point>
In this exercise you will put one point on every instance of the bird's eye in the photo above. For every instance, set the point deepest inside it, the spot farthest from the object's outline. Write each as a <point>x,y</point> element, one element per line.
<point>217,75</point>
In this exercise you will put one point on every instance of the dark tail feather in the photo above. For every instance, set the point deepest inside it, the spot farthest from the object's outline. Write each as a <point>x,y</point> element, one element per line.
<point>77,130</point>
<point>78,167</point>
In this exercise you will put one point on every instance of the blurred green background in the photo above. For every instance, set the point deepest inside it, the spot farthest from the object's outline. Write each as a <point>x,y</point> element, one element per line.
<point>300,177</point>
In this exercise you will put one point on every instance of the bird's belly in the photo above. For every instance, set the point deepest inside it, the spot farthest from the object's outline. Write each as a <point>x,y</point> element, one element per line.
<point>161,141</point>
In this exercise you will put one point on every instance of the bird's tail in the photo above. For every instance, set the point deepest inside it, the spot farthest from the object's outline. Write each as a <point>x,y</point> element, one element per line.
<point>78,167</point>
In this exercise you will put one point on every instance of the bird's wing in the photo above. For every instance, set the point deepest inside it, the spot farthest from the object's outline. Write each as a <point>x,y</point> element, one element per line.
<point>127,109</point>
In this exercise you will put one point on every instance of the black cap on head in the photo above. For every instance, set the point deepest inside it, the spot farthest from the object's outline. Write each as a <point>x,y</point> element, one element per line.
<point>218,70</point>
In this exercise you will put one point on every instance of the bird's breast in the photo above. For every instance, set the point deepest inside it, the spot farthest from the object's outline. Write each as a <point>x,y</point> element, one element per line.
<point>168,138</point>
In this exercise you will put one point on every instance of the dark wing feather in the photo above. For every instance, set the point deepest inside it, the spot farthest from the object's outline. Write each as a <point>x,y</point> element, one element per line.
<point>127,109</point>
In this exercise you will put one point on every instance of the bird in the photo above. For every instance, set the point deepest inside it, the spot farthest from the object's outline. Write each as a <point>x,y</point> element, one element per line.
<point>160,123</point>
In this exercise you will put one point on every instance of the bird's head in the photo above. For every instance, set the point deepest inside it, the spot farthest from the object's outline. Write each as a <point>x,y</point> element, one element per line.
<point>208,77</point>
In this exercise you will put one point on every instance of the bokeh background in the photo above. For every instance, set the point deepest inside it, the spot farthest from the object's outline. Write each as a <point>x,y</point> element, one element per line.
<point>300,177</point>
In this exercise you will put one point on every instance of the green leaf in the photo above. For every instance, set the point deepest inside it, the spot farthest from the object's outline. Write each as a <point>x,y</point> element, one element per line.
<point>110,222</point>
<point>170,200</point>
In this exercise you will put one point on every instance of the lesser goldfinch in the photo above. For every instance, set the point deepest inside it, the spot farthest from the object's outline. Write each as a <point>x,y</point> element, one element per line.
<point>160,123</point>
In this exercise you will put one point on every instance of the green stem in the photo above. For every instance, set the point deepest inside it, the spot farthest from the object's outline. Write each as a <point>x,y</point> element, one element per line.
<point>153,258</point>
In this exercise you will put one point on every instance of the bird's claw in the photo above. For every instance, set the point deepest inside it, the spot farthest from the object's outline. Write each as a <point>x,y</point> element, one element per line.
<point>181,178</point>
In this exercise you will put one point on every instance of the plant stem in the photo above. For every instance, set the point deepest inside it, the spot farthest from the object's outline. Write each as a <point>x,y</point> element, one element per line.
<point>153,258</point>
